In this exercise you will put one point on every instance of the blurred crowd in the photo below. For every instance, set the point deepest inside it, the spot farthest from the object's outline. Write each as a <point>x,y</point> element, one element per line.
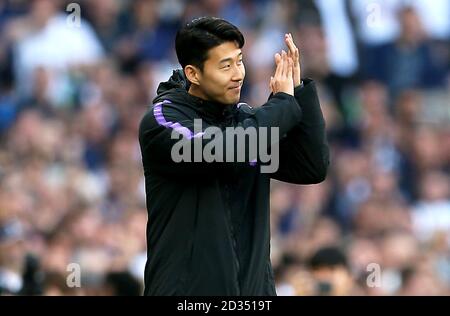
<point>71,180</point>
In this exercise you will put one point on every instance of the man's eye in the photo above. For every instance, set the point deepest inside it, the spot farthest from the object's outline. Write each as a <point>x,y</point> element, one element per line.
<point>240,62</point>
<point>226,66</point>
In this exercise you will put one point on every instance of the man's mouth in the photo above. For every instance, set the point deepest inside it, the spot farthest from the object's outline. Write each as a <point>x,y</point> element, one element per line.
<point>238,87</point>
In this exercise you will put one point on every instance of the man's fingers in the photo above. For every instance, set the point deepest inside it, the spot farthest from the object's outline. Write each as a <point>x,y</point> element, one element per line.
<point>295,54</point>
<point>297,51</point>
<point>290,68</point>
<point>290,44</point>
<point>277,58</point>
<point>285,64</point>
<point>277,63</point>
<point>279,69</point>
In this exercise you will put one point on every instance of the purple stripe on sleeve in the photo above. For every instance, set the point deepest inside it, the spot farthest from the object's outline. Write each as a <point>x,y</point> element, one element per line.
<point>186,132</point>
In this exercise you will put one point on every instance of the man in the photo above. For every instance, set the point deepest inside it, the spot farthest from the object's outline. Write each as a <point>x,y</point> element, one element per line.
<point>208,230</point>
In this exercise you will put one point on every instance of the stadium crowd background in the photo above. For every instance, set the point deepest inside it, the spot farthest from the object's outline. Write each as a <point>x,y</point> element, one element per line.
<point>71,180</point>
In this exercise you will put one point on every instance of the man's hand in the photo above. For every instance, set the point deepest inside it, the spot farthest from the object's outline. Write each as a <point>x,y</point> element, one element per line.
<point>282,81</point>
<point>295,55</point>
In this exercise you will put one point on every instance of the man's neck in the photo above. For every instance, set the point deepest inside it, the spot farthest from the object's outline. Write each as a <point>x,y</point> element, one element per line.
<point>195,91</point>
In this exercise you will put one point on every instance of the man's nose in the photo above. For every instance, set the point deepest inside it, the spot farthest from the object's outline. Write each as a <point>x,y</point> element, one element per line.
<point>238,74</point>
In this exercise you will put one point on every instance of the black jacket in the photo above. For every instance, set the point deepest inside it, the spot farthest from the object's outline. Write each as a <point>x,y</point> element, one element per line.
<point>208,230</point>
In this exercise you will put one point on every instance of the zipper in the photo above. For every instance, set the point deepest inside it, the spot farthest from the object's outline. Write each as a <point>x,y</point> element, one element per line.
<point>233,237</point>
<point>228,118</point>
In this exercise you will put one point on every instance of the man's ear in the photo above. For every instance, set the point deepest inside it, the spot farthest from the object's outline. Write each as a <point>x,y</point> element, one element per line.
<point>192,74</point>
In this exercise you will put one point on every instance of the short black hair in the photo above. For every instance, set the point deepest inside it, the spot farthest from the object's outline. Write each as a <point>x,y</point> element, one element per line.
<point>328,257</point>
<point>196,38</point>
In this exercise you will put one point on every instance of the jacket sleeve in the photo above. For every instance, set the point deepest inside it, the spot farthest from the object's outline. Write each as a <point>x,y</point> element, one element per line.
<point>304,152</point>
<point>165,119</point>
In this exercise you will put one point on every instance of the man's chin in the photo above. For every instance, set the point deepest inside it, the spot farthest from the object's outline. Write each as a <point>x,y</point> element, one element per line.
<point>229,100</point>
<point>233,101</point>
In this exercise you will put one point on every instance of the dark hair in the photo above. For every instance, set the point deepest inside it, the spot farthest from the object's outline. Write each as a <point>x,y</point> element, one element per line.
<point>330,257</point>
<point>195,39</point>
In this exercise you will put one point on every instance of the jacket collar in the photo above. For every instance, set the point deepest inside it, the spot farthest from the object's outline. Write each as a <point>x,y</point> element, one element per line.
<point>209,108</point>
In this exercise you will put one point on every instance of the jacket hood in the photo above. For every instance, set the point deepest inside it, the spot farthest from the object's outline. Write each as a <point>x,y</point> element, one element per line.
<point>176,81</point>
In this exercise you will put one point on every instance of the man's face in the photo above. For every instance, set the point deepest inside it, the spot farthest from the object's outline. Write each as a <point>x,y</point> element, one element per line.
<point>223,74</point>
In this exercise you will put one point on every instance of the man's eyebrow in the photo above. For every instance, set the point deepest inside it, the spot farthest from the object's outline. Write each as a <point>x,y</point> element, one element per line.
<point>229,58</point>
